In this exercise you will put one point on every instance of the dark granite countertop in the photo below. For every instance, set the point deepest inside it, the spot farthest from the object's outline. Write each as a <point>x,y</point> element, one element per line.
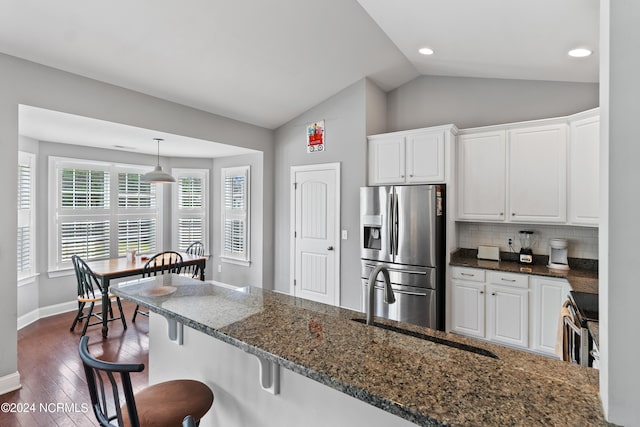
<point>442,384</point>
<point>583,280</point>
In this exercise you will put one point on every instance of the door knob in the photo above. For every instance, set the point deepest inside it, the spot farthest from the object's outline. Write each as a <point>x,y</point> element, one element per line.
<point>330,248</point>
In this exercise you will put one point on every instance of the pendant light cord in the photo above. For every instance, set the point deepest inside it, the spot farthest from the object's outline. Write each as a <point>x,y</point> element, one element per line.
<point>158,141</point>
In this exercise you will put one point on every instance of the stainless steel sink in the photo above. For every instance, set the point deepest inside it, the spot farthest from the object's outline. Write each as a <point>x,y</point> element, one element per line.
<point>454,344</point>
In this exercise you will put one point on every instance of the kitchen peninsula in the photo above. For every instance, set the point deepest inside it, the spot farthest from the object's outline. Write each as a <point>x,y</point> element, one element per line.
<point>430,378</point>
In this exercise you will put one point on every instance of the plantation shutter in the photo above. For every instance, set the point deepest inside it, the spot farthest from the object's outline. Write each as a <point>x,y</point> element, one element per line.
<point>190,207</point>
<point>137,225</point>
<point>235,221</point>
<point>26,223</point>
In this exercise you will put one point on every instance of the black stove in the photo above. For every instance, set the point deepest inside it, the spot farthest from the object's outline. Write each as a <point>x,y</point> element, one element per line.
<point>586,305</point>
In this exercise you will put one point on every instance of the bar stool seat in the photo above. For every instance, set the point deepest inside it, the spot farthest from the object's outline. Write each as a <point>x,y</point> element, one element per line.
<point>166,404</point>
<point>159,405</point>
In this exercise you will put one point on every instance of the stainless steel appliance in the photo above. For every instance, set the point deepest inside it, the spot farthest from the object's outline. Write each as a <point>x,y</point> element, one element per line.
<point>403,227</point>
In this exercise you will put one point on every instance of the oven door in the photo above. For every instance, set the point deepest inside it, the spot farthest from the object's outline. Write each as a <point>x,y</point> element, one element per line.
<point>576,341</point>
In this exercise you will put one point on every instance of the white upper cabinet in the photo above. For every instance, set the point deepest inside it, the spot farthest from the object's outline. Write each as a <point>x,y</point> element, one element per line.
<point>538,174</point>
<point>425,157</point>
<point>410,157</point>
<point>387,160</point>
<point>482,176</point>
<point>584,167</point>
<point>545,171</point>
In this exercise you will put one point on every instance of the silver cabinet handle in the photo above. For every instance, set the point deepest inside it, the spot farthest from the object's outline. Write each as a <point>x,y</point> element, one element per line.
<point>508,280</point>
<point>513,214</point>
<point>411,176</point>
<point>467,274</point>
<point>482,292</point>
<point>330,248</point>
<point>501,213</point>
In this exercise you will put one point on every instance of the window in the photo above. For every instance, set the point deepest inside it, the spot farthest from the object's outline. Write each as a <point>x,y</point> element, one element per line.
<point>235,214</point>
<point>26,215</point>
<point>191,208</point>
<point>86,222</point>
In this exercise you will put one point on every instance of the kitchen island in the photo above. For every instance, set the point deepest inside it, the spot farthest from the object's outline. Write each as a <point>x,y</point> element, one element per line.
<point>338,371</point>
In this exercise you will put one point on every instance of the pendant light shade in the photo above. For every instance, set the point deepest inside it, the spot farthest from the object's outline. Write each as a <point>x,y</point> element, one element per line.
<point>157,175</point>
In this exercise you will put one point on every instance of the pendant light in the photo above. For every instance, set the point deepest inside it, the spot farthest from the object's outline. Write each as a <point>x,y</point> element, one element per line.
<point>157,175</point>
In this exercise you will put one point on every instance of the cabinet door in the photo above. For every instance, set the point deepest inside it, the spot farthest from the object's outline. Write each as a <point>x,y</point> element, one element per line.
<point>425,157</point>
<point>468,308</point>
<point>548,296</point>
<point>482,176</point>
<point>537,174</point>
<point>386,160</point>
<point>584,167</point>
<point>508,315</point>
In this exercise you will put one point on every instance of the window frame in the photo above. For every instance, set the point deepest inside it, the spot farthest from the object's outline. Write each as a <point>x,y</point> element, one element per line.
<point>27,217</point>
<point>245,215</point>
<point>112,214</point>
<point>202,213</point>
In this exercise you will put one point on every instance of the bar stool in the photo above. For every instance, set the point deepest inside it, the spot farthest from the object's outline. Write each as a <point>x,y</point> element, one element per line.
<point>164,404</point>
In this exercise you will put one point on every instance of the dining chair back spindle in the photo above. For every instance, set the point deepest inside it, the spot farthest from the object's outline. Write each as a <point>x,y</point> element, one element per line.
<point>161,263</point>
<point>193,270</point>
<point>90,291</point>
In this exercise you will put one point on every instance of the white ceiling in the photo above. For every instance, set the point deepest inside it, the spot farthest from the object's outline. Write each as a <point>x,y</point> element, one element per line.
<point>265,62</point>
<point>510,39</point>
<point>53,126</point>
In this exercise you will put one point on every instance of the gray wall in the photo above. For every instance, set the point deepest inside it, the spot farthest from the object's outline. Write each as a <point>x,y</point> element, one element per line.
<point>619,290</point>
<point>237,274</point>
<point>344,116</point>
<point>470,102</point>
<point>23,82</point>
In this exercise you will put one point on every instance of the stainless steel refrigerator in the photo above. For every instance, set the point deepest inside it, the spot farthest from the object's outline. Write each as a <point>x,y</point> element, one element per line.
<point>403,227</point>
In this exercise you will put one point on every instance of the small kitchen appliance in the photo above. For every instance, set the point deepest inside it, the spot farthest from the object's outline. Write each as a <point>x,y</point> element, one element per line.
<point>526,243</point>
<point>558,254</point>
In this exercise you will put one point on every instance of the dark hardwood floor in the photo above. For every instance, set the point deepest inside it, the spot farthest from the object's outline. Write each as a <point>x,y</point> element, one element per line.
<point>54,390</point>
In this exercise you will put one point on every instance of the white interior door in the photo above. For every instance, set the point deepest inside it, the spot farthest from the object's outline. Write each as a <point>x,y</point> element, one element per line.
<point>315,247</point>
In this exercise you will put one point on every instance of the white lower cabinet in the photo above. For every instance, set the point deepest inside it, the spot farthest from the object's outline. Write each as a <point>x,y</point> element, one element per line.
<point>468,308</point>
<point>508,315</point>
<point>548,296</point>
<point>496,306</point>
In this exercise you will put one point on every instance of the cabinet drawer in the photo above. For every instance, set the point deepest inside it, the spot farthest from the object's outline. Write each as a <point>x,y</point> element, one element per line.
<point>473,274</point>
<point>508,279</point>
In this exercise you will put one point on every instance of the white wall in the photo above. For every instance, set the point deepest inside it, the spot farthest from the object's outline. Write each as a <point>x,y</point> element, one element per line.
<point>23,82</point>
<point>583,241</point>
<point>344,116</point>
<point>619,288</point>
<point>470,102</point>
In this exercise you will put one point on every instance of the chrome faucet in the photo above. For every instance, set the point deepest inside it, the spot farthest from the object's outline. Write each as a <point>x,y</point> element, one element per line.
<point>389,297</point>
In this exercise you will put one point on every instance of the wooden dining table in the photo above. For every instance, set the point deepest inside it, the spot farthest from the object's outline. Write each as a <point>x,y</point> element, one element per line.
<point>115,268</point>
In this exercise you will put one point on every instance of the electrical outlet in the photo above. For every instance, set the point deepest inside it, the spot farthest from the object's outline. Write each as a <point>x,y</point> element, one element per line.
<point>219,268</point>
<point>510,241</point>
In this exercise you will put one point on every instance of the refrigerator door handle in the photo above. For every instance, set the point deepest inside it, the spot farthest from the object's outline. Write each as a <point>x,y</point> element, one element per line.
<point>390,223</point>
<point>424,273</point>
<point>395,223</point>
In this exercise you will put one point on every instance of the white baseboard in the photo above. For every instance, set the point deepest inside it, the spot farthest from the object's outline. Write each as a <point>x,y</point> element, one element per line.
<point>42,312</point>
<point>10,382</point>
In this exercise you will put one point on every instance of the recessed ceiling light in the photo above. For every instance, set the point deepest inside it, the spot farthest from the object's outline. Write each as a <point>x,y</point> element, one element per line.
<point>580,53</point>
<point>426,51</point>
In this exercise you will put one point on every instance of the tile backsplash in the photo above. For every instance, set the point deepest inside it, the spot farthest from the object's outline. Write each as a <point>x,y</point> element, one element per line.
<point>583,241</point>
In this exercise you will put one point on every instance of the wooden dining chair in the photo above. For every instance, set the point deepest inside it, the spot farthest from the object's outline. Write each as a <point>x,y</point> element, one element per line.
<point>161,263</point>
<point>164,404</point>
<point>90,292</point>
<point>193,270</point>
